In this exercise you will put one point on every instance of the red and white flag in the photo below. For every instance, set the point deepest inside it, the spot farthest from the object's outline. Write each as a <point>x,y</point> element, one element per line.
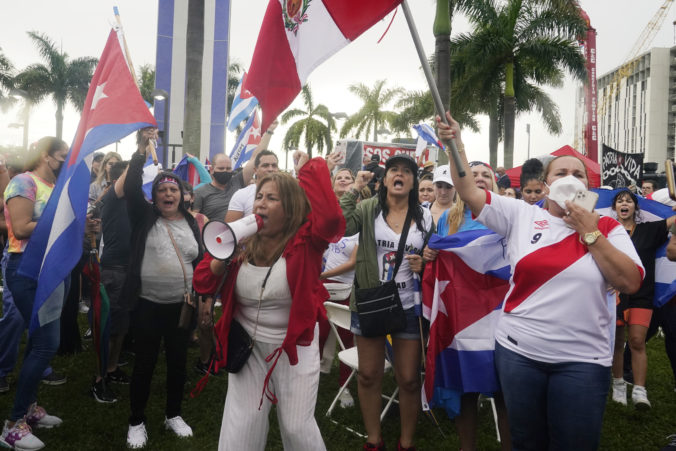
<point>297,36</point>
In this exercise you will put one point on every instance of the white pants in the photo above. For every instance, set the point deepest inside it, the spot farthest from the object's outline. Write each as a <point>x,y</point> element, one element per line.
<point>245,427</point>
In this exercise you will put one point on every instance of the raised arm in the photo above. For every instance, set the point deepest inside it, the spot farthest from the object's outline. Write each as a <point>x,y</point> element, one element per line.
<point>471,194</point>
<point>313,176</point>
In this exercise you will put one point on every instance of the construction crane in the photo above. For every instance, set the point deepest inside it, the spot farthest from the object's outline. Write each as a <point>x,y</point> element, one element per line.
<point>641,45</point>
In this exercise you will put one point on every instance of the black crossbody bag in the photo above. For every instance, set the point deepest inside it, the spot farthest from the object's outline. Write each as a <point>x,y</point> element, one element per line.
<point>379,308</point>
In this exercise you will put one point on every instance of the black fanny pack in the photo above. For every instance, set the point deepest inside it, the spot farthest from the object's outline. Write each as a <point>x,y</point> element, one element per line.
<point>379,308</point>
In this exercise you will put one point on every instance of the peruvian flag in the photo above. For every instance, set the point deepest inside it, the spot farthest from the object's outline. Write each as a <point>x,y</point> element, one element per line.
<point>297,36</point>
<point>463,292</point>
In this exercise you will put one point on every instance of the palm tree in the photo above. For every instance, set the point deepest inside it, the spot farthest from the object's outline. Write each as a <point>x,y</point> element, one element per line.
<point>418,106</point>
<point>371,115</point>
<point>6,80</point>
<point>315,125</point>
<point>146,82</point>
<point>64,79</point>
<point>235,70</point>
<point>522,44</point>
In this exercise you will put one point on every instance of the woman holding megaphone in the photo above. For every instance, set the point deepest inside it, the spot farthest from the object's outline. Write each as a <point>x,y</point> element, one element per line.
<point>271,290</point>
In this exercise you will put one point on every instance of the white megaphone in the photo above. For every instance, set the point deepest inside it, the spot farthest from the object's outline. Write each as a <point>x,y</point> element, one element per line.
<point>220,239</point>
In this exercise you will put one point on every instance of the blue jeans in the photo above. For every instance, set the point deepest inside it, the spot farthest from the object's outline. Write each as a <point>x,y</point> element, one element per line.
<point>12,325</point>
<point>552,406</point>
<point>42,343</point>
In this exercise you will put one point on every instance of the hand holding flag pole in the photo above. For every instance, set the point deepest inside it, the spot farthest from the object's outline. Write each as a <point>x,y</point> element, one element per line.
<point>441,110</point>
<point>127,55</point>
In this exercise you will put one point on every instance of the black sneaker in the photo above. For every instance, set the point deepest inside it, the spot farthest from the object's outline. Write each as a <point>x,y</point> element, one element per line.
<point>4,385</point>
<point>102,393</point>
<point>203,368</point>
<point>118,377</point>
<point>54,378</point>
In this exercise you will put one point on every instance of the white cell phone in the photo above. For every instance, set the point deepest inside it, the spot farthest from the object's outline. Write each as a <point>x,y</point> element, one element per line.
<point>341,147</point>
<point>586,199</point>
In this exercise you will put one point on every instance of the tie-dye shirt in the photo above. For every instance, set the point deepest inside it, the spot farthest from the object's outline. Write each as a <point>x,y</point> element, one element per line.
<point>33,188</point>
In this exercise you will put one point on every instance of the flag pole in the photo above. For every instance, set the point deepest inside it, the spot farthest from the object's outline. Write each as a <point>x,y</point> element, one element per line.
<point>441,110</point>
<point>116,11</point>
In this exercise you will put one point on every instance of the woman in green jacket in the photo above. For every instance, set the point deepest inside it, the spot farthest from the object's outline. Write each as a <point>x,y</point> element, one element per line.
<point>379,222</point>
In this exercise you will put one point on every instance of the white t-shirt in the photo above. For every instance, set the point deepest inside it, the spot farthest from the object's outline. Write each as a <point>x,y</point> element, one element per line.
<point>556,308</point>
<point>243,200</point>
<point>275,305</point>
<point>387,243</point>
<point>339,253</point>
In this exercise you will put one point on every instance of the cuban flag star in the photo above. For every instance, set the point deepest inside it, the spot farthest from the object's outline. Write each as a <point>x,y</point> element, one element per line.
<point>463,292</point>
<point>112,110</point>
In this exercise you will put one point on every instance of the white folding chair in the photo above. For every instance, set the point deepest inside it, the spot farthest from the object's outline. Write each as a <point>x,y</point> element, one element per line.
<point>339,316</point>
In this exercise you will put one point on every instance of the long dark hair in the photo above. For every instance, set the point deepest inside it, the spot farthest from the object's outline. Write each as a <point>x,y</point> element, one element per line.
<point>413,202</point>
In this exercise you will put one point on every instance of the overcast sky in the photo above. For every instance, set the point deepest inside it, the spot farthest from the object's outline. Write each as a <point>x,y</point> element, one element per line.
<point>82,26</point>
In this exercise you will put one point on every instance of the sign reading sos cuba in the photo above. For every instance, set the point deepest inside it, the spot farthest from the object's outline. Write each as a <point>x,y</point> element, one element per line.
<point>389,150</point>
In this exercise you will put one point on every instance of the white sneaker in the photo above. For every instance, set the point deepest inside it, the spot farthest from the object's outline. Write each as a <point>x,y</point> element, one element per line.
<point>620,391</point>
<point>19,437</point>
<point>37,417</point>
<point>178,426</point>
<point>639,396</point>
<point>137,436</point>
<point>346,399</point>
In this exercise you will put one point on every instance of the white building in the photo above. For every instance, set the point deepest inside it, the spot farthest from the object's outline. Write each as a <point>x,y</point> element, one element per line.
<point>637,106</point>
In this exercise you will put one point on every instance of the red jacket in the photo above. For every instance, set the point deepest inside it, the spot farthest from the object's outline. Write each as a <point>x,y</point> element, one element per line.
<point>303,253</point>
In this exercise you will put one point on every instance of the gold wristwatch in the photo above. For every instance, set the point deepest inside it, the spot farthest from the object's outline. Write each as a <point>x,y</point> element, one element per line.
<point>591,237</point>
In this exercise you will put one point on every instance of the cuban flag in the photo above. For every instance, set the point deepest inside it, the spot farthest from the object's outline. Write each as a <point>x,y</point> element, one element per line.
<point>463,291</point>
<point>297,36</point>
<point>150,171</point>
<point>426,135</point>
<point>246,141</point>
<point>650,210</point>
<point>113,109</point>
<point>242,105</point>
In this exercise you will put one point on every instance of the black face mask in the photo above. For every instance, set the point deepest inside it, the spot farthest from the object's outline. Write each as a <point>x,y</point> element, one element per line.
<point>187,204</point>
<point>57,170</point>
<point>222,177</point>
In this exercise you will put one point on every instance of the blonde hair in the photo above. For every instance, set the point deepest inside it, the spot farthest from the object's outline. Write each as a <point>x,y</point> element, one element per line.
<point>296,208</point>
<point>102,171</point>
<point>456,214</point>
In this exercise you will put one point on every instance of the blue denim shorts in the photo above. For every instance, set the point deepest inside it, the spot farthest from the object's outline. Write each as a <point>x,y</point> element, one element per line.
<point>411,332</point>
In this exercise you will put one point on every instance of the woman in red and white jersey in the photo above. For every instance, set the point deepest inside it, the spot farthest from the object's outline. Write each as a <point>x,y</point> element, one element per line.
<point>553,341</point>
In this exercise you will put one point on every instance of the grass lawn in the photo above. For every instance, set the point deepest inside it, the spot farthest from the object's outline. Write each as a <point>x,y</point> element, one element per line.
<point>92,426</point>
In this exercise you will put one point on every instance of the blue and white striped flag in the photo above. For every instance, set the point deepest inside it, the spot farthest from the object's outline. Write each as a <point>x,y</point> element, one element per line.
<point>650,210</point>
<point>242,106</point>
<point>246,142</point>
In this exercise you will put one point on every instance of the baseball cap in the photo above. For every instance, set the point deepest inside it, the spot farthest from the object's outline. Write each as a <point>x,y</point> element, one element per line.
<point>402,158</point>
<point>443,174</point>
<point>428,163</point>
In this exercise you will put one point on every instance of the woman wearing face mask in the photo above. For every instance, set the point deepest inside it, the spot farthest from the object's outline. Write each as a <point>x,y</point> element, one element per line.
<point>553,350</point>
<point>272,289</point>
<point>25,199</point>
<point>457,219</point>
<point>156,282</point>
<point>532,188</point>
<point>635,310</point>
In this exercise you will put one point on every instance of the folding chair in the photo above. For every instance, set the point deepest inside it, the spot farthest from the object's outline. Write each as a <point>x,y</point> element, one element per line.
<point>339,316</point>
